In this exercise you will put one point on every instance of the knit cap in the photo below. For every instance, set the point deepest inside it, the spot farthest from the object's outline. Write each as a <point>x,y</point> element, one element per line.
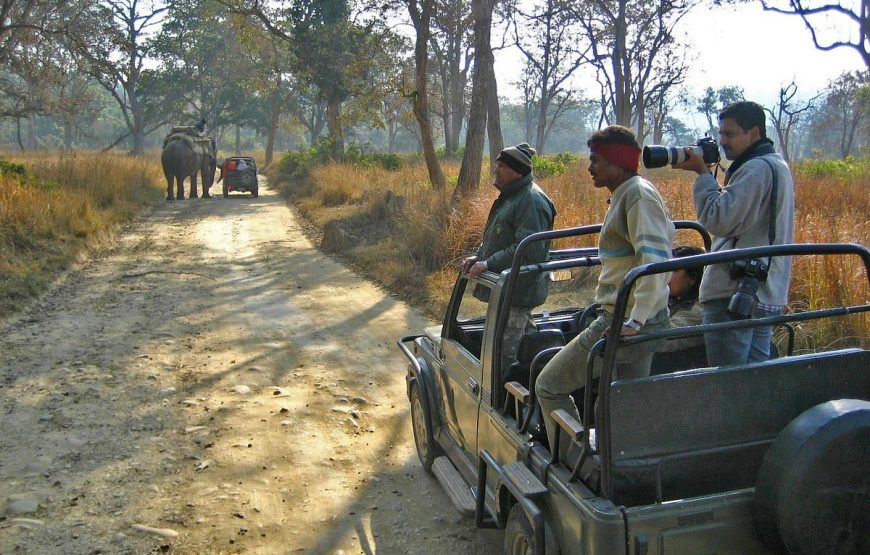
<point>518,158</point>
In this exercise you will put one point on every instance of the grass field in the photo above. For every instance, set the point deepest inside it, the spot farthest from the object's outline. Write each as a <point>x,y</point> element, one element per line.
<point>53,206</point>
<point>411,238</point>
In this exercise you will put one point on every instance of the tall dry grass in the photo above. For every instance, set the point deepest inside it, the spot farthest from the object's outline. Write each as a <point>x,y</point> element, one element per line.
<point>50,216</point>
<point>417,248</point>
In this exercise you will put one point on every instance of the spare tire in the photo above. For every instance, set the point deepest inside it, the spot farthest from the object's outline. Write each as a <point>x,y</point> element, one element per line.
<point>248,179</point>
<point>813,489</point>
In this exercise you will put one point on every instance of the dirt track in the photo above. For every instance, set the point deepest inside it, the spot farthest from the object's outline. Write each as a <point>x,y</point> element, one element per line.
<point>212,383</point>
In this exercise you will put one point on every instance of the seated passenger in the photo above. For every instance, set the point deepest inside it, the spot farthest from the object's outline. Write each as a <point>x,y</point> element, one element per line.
<point>683,301</point>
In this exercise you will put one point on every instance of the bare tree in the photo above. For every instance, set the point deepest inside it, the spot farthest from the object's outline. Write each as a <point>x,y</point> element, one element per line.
<point>631,41</point>
<point>421,17</point>
<point>116,53</point>
<point>482,85</point>
<point>785,116</point>
<point>452,53</point>
<point>810,11</point>
<point>548,37</point>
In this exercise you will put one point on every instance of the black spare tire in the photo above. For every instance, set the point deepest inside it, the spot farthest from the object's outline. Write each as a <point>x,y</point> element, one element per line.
<point>813,489</point>
<point>248,179</point>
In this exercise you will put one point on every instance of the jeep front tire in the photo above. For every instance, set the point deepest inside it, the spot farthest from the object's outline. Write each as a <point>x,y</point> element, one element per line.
<point>427,449</point>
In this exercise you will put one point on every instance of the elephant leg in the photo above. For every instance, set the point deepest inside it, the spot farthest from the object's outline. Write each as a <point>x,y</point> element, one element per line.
<point>194,190</point>
<point>169,195</point>
<point>179,189</point>
<point>205,193</point>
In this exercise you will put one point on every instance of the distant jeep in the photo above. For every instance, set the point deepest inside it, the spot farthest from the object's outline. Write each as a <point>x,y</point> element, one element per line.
<point>765,457</point>
<point>241,180</point>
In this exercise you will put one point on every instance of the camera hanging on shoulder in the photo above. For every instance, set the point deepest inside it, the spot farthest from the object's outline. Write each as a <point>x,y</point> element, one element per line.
<point>751,272</point>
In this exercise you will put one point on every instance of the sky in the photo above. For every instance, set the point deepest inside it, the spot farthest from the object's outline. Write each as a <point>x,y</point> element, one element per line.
<point>745,46</point>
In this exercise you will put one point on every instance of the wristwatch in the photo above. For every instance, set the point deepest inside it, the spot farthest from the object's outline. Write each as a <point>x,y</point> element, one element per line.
<point>633,324</point>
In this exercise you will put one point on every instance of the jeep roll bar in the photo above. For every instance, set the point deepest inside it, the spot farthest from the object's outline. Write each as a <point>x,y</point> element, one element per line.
<point>560,254</point>
<point>609,348</point>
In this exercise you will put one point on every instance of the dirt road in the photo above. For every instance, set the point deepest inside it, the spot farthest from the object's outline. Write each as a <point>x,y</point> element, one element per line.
<point>212,383</point>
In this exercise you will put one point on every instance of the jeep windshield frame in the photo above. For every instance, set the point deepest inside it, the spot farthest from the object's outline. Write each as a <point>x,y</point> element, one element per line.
<point>608,349</point>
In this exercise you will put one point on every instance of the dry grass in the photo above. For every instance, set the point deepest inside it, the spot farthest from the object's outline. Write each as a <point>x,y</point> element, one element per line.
<point>417,248</point>
<point>47,220</point>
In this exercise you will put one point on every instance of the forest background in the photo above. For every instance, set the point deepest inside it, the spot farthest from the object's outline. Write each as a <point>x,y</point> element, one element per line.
<point>387,115</point>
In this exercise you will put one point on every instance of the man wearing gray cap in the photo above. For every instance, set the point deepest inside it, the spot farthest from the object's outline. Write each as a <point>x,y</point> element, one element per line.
<point>522,208</point>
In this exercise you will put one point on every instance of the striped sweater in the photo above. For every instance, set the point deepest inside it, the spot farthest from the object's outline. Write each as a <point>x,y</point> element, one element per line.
<point>637,230</point>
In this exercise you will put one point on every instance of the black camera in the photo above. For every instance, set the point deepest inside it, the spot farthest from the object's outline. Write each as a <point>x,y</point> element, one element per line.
<point>750,273</point>
<point>657,156</point>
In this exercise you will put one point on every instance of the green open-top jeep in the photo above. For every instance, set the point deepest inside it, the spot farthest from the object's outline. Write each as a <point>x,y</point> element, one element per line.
<point>756,458</point>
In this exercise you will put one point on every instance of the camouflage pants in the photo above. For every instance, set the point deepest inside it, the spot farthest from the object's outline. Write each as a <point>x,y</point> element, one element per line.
<point>519,323</point>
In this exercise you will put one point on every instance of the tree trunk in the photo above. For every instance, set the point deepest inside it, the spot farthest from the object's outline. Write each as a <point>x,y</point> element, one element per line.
<point>273,128</point>
<point>238,141</point>
<point>542,122</point>
<point>469,172</point>
<point>493,112</point>
<point>18,133</point>
<point>68,129</point>
<point>333,125</point>
<point>31,133</point>
<point>422,19</point>
<point>136,112</point>
<point>622,81</point>
<point>641,116</point>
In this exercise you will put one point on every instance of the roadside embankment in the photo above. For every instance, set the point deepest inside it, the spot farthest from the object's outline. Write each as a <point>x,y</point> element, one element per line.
<point>53,206</point>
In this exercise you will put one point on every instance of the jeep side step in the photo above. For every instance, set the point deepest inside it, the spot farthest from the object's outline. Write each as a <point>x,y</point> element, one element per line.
<point>456,488</point>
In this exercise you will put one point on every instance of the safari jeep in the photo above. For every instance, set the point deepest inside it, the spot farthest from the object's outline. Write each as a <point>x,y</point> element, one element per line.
<point>766,457</point>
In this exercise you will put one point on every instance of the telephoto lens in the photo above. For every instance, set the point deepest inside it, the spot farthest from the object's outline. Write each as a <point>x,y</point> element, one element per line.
<point>657,156</point>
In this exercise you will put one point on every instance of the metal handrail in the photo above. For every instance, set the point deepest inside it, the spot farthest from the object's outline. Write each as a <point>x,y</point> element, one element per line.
<point>619,309</point>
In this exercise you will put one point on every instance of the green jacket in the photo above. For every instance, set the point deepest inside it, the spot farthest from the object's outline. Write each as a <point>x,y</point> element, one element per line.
<point>521,209</point>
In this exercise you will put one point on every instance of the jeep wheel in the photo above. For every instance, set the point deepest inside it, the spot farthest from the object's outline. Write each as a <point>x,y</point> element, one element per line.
<point>811,492</point>
<point>518,536</point>
<point>424,440</point>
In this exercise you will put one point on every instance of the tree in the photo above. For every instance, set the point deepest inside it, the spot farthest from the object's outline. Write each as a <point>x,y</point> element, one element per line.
<point>785,115</point>
<point>483,84</point>
<point>451,52</point>
<point>421,17</point>
<point>713,101</point>
<point>116,48</point>
<point>333,51</point>
<point>844,114</point>
<point>817,16</point>
<point>631,41</point>
<point>205,66</point>
<point>549,40</point>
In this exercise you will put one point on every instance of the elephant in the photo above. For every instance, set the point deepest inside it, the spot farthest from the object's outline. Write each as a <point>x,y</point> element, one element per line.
<point>186,154</point>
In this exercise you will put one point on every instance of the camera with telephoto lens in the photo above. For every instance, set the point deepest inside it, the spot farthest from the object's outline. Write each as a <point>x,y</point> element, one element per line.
<point>750,273</point>
<point>657,156</point>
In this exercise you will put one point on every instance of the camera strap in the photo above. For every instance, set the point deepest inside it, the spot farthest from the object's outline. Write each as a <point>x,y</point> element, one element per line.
<point>771,224</point>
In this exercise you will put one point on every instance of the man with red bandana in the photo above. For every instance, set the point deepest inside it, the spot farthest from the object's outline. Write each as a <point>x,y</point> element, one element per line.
<point>637,230</point>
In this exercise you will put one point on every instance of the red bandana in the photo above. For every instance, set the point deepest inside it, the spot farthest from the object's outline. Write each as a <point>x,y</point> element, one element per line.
<point>623,156</point>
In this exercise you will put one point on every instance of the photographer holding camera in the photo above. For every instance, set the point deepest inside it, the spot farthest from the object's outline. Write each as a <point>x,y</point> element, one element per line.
<point>755,207</point>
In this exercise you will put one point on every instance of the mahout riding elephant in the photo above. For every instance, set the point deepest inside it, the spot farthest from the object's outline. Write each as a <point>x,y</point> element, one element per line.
<point>186,155</point>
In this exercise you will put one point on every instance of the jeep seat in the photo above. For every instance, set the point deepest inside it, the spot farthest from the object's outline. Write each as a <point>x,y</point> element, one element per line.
<point>530,345</point>
<point>706,431</point>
